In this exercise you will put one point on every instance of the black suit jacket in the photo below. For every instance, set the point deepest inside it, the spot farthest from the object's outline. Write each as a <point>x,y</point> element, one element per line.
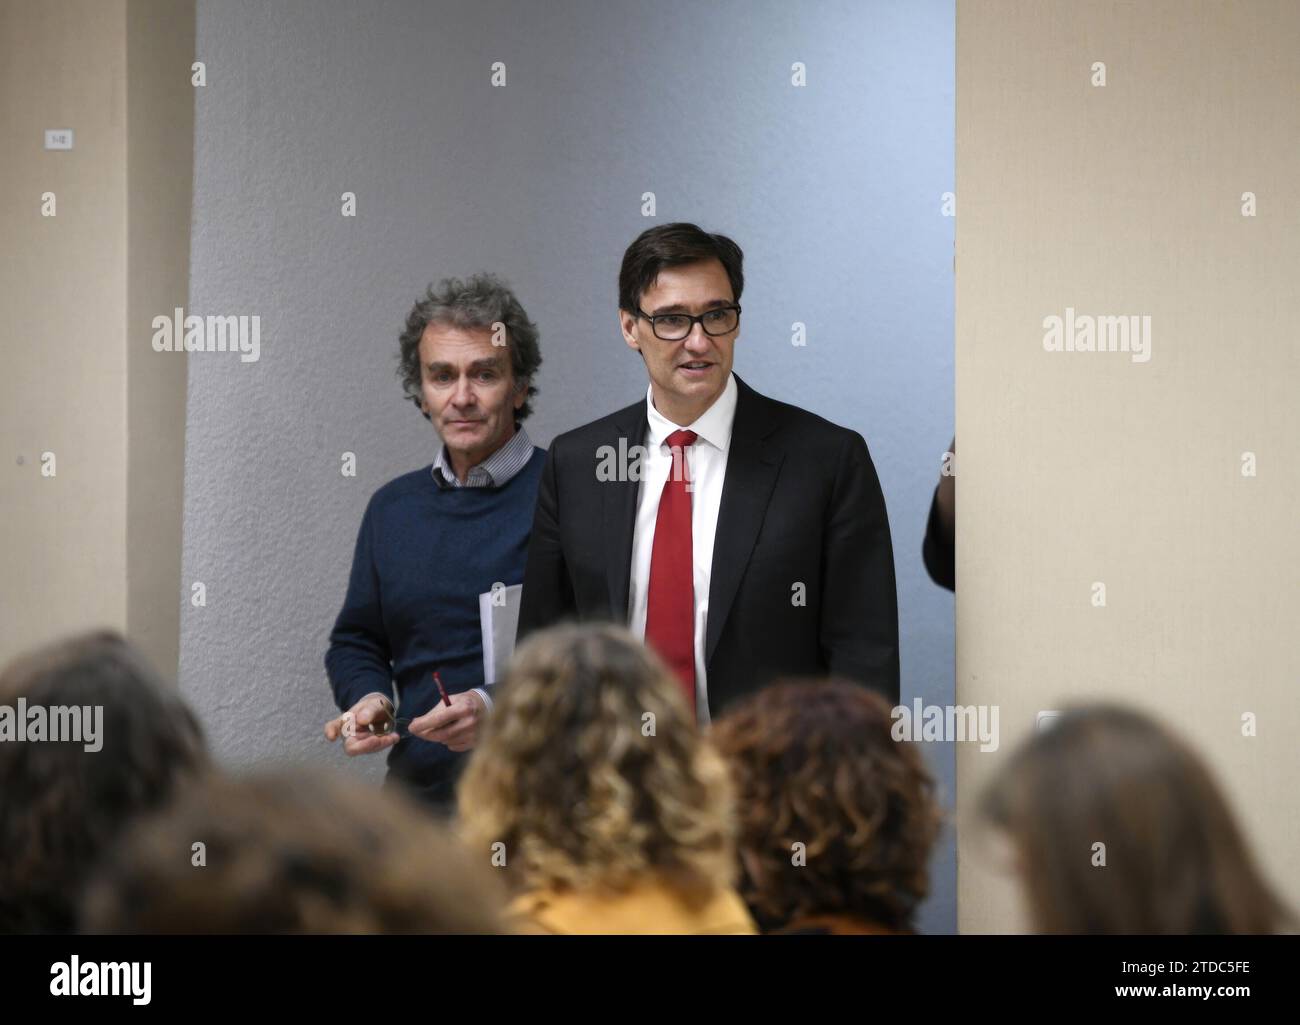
<point>801,504</point>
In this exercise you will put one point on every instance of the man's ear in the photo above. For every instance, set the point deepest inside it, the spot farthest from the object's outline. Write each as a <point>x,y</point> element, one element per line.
<point>521,392</point>
<point>627,324</point>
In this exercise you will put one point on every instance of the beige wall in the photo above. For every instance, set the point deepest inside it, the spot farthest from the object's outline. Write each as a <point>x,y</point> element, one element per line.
<point>1077,467</point>
<point>160,166</point>
<point>79,290</point>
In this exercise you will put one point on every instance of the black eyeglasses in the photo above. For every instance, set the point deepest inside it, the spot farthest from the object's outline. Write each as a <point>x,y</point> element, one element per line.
<point>673,327</point>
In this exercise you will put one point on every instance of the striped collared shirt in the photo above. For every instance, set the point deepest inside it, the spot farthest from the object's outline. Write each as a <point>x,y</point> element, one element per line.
<point>495,471</point>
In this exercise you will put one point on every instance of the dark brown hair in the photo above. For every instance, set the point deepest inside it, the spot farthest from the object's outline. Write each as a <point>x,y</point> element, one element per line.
<point>1175,862</point>
<point>673,245</point>
<point>61,805</point>
<point>292,853</point>
<point>815,763</point>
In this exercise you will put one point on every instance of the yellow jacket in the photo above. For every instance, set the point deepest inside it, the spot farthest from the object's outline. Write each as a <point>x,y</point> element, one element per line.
<point>649,908</point>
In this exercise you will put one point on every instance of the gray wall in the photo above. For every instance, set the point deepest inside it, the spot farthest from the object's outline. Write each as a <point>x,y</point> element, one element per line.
<point>833,190</point>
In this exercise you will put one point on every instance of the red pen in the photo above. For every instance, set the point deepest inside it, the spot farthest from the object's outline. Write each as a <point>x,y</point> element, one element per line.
<point>441,689</point>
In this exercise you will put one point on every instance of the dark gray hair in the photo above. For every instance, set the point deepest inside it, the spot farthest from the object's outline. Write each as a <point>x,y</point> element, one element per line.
<point>479,301</point>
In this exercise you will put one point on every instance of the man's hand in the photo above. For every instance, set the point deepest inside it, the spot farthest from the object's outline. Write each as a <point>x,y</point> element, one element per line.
<point>948,495</point>
<point>456,725</point>
<point>353,726</point>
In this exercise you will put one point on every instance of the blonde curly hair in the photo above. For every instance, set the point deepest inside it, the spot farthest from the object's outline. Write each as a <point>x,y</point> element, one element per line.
<point>593,774</point>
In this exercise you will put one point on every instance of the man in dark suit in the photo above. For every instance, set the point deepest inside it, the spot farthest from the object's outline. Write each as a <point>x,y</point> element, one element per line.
<point>742,537</point>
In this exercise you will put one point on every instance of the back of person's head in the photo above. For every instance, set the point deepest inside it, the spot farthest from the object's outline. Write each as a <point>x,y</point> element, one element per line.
<point>117,742</point>
<point>592,772</point>
<point>291,852</point>
<point>1174,860</point>
<point>815,764</point>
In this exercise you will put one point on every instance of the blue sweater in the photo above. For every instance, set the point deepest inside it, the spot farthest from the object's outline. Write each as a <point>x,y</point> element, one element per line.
<point>424,554</point>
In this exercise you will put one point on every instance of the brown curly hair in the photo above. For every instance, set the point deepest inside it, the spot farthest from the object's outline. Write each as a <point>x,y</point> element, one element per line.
<point>815,763</point>
<point>569,777</point>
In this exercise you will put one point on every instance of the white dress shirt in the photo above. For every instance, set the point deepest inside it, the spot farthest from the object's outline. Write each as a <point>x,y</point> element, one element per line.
<point>706,462</point>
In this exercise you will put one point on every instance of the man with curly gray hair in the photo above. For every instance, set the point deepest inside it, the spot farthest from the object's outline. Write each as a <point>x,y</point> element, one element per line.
<point>433,541</point>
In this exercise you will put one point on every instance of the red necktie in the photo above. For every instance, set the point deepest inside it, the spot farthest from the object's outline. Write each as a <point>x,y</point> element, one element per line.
<point>670,607</point>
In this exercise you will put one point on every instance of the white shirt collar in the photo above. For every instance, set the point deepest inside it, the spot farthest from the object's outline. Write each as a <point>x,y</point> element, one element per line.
<point>714,424</point>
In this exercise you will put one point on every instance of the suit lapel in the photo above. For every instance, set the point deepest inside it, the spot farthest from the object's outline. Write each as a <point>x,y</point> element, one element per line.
<point>752,467</point>
<point>619,512</point>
